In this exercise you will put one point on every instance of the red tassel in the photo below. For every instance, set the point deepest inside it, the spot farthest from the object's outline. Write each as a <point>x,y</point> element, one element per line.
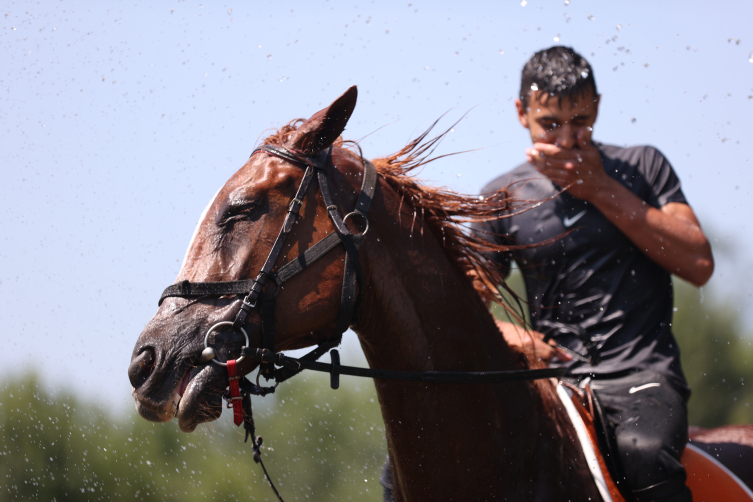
<point>235,392</point>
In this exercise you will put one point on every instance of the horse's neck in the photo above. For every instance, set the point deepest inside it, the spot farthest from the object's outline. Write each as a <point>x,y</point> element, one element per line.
<point>421,313</point>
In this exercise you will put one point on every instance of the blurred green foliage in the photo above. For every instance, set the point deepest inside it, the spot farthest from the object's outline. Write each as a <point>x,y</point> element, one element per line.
<point>318,444</point>
<point>717,357</point>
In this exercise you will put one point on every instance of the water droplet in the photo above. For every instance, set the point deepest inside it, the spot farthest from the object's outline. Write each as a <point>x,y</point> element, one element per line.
<point>633,120</point>
<point>590,17</point>
<point>523,3</point>
<point>534,87</point>
<point>584,74</point>
<point>589,129</point>
<point>557,38</point>
<point>567,2</point>
<point>501,53</point>
<point>750,58</point>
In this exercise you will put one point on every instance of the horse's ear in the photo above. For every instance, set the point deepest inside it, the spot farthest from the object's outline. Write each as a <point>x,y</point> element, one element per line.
<point>324,127</point>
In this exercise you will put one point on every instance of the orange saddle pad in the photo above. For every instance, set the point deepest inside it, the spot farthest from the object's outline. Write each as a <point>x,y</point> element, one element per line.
<point>710,481</point>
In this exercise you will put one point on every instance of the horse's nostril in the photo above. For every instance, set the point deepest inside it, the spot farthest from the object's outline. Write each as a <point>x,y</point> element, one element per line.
<point>141,367</point>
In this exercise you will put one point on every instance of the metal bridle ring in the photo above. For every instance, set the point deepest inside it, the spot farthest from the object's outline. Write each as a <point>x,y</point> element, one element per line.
<point>362,216</point>
<point>225,323</point>
<point>277,287</point>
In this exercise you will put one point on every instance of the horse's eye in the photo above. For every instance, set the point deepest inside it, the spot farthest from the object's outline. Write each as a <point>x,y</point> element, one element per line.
<point>239,211</point>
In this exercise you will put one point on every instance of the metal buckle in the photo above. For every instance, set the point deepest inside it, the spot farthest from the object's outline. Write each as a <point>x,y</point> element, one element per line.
<point>225,323</point>
<point>258,374</point>
<point>250,305</point>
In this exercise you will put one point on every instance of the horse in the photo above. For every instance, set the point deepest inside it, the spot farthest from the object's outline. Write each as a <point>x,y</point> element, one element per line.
<point>424,289</point>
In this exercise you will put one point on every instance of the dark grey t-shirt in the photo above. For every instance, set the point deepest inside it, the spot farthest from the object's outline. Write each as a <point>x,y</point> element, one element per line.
<point>593,289</point>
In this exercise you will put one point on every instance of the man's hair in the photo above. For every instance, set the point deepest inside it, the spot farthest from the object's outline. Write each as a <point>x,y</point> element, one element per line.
<point>557,71</point>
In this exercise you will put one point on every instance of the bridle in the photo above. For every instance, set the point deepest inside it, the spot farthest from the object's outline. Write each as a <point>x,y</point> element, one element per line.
<point>351,295</point>
<point>350,298</point>
<point>279,367</point>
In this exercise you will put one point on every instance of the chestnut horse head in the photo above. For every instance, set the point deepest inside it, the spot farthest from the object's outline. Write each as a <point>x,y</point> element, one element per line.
<point>232,239</point>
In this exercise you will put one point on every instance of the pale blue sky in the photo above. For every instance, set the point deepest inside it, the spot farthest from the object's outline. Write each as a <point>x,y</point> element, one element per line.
<point>121,120</point>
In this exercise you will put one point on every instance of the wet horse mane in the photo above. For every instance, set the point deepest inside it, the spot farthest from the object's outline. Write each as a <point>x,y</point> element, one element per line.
<point>446,213</point>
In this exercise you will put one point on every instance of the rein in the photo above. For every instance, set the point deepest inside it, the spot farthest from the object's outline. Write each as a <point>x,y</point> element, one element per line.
<point>279,367</point>
<point>454,377</point>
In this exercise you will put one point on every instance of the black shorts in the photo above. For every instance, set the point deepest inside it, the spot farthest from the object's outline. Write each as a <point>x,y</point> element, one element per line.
<point>645,423</point>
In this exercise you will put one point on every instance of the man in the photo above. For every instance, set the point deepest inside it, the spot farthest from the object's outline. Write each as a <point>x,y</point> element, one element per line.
<point>601,296</point>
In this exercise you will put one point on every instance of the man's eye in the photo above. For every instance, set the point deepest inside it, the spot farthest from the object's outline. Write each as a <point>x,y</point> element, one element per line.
<point>550,126</point>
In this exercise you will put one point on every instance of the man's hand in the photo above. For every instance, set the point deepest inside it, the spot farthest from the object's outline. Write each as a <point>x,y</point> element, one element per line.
<point>578,169</point>
<point>531,341</point>
<point>670,236</point>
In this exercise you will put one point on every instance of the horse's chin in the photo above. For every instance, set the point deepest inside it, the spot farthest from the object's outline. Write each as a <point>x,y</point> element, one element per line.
<point>202,398</point>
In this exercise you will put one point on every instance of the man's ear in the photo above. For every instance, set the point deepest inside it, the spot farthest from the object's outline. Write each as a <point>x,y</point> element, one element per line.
<point>324,127</point>
<point>522,115</point>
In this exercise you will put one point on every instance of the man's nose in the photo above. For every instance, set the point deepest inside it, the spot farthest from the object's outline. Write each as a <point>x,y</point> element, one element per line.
<point>566,136</point>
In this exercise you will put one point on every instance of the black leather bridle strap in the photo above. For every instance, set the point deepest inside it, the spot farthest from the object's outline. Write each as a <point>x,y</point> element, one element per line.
<point>186,289</point>
<point>368,187</point>
<point>294,267</point>
<point>295,206</point>
<point>267,312</point>
<point>350,297</point>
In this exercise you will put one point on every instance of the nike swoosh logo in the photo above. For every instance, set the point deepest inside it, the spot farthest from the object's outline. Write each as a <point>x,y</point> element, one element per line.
<point>633,390</point>
<point>568,222</point>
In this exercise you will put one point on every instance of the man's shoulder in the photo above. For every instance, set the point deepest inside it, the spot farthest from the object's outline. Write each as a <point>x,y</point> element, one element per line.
<point>521,172</point>
<point>637,155</point>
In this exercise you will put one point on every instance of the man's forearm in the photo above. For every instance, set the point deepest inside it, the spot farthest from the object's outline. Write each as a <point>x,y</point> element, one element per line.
<point>671,236</point>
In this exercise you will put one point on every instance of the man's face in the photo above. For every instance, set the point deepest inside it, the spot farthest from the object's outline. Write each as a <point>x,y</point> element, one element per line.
<point>552,122</point>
